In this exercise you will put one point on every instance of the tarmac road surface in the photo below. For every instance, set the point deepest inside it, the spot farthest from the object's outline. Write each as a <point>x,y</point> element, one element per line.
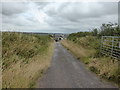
<point>68,72</point>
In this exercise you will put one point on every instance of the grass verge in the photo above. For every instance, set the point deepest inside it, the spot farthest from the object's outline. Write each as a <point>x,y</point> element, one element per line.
<point>85,49</point>
<point>25,58</point>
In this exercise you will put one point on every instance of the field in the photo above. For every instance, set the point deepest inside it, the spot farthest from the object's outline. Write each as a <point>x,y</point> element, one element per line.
<point>25,58</point>
<point>87,50</point>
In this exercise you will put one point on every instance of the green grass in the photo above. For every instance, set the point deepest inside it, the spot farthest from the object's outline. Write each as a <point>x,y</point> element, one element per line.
<point>24,56</point>
<point>18,46</point>
<point>87,50</point>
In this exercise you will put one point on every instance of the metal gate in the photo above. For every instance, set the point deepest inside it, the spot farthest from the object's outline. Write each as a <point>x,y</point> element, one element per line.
<point>110,46</point>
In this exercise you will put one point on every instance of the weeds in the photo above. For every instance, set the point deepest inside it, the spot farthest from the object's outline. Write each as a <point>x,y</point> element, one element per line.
<point>87,50</point>
<point>94,69</point>
<point>24,57</point>
<point>19,46</point>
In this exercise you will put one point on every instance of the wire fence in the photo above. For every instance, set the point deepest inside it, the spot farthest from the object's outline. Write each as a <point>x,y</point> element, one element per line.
<point>110,46</point>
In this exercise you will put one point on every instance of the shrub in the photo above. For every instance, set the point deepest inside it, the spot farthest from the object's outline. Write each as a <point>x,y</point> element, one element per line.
<point>23,46</point>
<point>94,69</point>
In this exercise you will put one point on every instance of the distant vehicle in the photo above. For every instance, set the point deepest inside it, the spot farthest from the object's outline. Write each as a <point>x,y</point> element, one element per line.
<point>58,39</point>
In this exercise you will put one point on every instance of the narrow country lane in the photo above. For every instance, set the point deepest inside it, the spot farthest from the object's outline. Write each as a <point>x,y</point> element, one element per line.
<point>67,72</point>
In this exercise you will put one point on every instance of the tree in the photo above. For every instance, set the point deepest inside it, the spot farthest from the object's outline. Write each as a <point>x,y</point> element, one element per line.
<point>95,32</point>
<point>109,30</point>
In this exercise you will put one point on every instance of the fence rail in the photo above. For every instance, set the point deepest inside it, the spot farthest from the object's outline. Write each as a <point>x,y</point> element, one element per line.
<point>110,46</point>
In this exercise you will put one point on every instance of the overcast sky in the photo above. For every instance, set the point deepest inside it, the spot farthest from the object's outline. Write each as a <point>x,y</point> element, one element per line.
<point>57,17</point>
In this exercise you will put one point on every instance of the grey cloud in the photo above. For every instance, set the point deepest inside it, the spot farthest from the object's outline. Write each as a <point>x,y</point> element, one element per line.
<point>19,21</point>
<point>11,8</point>
<point>77,11</point>
<point>94,10</point>
<point>54,9</point>
<point>60,17</point>
<point>41,4</point>
<point>12,14</point>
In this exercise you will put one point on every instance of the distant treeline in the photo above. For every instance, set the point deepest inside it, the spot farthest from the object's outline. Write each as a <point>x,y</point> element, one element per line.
<point>105,30</point>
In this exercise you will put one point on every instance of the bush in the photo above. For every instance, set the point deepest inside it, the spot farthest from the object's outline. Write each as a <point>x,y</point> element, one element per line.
<point>94,69</point>
<point>22,46</point>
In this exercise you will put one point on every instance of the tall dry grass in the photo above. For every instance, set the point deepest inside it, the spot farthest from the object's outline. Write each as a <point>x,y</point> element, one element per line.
<point>25,58</point>
<point>86,51</point>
